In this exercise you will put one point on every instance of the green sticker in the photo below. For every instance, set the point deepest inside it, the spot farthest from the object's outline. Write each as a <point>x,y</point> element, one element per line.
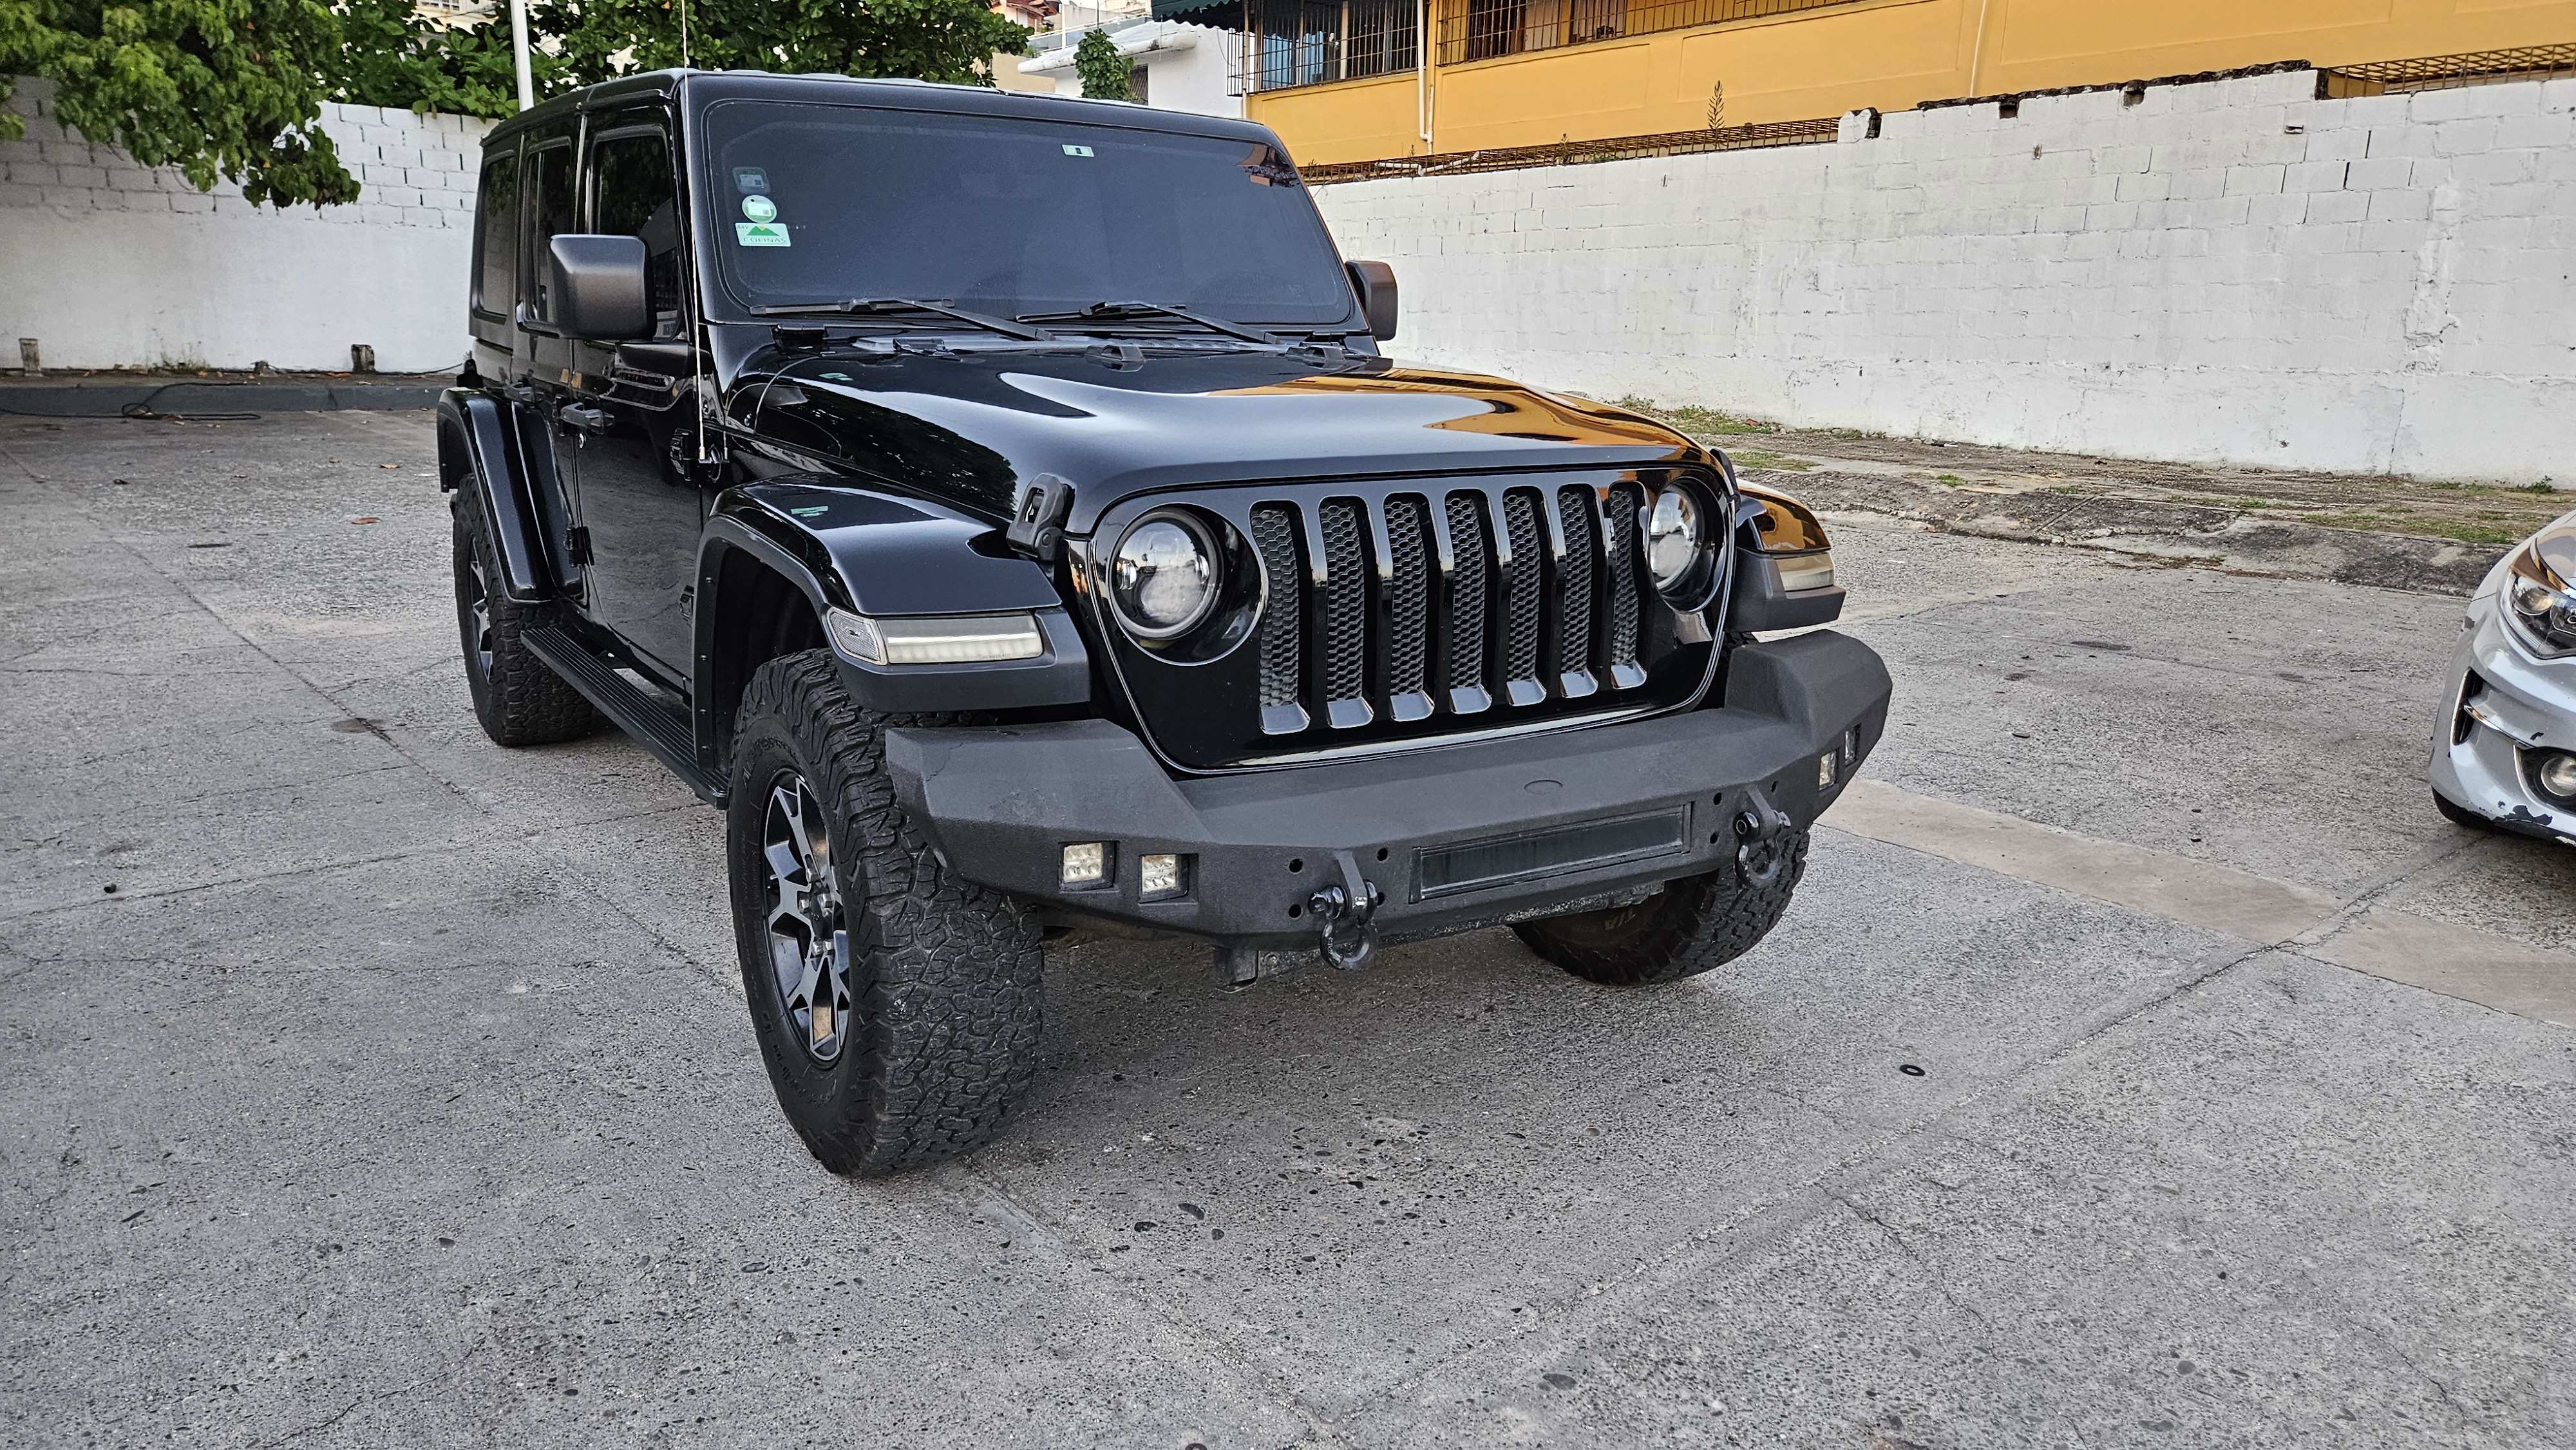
<point>760,208</point>
<point>811,510</point>
<point>759,234</point>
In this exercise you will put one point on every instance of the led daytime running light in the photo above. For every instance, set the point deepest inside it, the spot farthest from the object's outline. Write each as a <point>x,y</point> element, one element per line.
<point>969,639</point>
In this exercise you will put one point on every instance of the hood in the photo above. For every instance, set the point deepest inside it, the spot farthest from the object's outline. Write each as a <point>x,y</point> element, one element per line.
<point>969,426</point>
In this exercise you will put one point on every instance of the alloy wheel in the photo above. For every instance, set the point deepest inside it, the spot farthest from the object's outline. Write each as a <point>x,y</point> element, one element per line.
<point>809,946</point>
<point>478,610</point>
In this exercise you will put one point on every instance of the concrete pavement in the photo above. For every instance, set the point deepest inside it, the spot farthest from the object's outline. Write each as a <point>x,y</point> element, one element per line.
<point>400,1091</point>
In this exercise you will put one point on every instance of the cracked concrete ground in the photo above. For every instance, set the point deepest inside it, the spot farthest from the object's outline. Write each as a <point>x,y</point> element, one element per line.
<point>401,1093</point>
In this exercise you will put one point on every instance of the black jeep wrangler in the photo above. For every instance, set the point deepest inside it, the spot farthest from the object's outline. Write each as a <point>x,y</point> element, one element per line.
<point>999,507</point>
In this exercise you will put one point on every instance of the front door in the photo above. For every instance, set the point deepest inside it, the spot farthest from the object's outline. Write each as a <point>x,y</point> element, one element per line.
<point>640,501</point>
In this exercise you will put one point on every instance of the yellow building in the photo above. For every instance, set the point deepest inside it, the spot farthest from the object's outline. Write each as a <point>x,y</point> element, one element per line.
<point>1346,80</point>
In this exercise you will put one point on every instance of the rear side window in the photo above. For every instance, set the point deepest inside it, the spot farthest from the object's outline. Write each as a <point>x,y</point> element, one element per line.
<point>634,195</point>
<point>496,219</point>
<point>549,212</point>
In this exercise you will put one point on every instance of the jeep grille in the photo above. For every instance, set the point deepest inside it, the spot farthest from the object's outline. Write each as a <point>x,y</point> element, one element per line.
<point>1406,611</point>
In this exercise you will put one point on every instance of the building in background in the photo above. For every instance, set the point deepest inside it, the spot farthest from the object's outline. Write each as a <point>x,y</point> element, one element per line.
<point>1037,15</point>
<point>1174,66</point>
<point>1351,80</point>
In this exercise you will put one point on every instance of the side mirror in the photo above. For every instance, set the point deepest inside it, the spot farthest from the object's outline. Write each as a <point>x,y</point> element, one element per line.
<point>595,287</point>
<point>1375,282</point>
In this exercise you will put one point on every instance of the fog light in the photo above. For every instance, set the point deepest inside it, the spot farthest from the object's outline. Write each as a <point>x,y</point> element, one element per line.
<point>1162,874</point>
<point>2555,773</point>
<point>1086,864</point>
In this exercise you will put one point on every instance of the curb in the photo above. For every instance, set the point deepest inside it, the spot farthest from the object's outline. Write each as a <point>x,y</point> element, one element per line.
<point>192,398</point>
<point>2181,533</point>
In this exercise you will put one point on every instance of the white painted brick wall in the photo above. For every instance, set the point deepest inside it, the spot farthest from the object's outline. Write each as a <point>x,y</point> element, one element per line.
<point>2228,272</point>
<point>109,264</point>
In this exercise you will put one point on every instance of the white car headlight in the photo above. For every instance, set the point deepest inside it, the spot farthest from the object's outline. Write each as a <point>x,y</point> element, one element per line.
<point>2536,592</point>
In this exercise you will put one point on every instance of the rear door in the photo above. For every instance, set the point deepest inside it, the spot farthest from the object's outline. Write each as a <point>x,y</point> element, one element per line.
<point>641,503</point>
<point>493,288</point>
<point>539,385</point>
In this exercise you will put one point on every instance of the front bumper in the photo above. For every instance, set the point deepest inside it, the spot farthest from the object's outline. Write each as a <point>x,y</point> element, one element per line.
<point>1451,837</point>
<point>2500,704</point>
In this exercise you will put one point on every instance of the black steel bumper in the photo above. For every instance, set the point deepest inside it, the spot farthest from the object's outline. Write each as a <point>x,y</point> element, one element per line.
<point>1501,830</point>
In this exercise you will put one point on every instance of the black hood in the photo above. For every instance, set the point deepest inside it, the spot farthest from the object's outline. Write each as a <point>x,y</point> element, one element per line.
<point>969,426</point>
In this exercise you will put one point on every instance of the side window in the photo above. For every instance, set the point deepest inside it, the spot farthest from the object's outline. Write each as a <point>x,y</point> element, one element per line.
<point>496,220</point>
<point>549,212</point>
<point>632,194</point>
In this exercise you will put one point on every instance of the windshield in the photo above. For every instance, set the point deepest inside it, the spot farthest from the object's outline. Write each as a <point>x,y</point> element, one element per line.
<point>1011,217</point>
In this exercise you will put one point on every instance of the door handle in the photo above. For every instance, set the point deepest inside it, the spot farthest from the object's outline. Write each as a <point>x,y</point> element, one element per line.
<point>589,420</point>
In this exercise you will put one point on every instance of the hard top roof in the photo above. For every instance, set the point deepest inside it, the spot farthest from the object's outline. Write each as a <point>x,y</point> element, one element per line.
<point>707,87</point>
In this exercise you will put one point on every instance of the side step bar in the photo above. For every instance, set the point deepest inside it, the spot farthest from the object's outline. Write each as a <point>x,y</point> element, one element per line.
<point>655,728</point>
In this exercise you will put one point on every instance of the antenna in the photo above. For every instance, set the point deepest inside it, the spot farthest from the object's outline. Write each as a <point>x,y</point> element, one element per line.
<point>684,34</point>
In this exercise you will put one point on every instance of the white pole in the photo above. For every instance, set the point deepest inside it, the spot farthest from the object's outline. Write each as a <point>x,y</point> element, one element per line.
<point>519,52</point>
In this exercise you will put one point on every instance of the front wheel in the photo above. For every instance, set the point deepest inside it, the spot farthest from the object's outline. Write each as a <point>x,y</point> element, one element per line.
<point>896,1005</point>
<point>1692,926</point>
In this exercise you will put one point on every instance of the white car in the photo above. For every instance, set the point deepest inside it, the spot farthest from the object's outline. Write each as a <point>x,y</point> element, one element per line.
<point>2504,751</point>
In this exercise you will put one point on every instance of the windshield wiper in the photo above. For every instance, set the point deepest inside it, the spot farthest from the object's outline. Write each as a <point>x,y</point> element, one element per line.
<point>1112,311</point>
<point>880,306</point>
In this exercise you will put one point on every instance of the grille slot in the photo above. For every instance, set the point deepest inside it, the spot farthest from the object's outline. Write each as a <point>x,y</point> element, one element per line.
<point>1408,608</point>
<point>1620,558</point>
<point>1574,511</point>
<point>1469,551</point>
<point>1345,601</point>
<point>1274,537</point>
<point>1521,601</point>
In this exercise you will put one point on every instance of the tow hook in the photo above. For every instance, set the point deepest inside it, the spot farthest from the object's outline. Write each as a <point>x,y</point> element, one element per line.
<point>1348,909</point>
<point>1762,836</point>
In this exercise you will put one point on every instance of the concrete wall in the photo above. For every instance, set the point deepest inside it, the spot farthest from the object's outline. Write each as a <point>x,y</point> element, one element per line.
<point>2227,272</point>
<point>112,265</point>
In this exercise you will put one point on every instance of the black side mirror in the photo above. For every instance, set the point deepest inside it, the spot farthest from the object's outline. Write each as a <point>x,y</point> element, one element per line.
<point>1375,282</point>
<point>595,286</point>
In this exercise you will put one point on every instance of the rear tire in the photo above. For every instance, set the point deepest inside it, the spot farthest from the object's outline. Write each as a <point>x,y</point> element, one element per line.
<point>897,1006</point>
<point>1694,925</point>
<point>518,698</point>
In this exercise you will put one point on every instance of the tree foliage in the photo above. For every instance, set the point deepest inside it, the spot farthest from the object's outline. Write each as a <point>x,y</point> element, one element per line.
<point>1101,69</point>
<point>931,40</point>
<point>390,57</point>
<point>227,88</point>
<point>233,88</point>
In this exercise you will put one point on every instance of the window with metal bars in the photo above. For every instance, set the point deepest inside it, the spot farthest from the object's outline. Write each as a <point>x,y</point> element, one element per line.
<point>1484,29</point>
<point>1289,43</point>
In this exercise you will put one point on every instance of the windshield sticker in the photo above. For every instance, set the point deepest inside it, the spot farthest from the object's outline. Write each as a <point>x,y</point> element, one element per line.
<point>750,178</point>
<point>1077,150</point>
<point>760,208</point>
<point>1268,168</point>
<point>759,234</point>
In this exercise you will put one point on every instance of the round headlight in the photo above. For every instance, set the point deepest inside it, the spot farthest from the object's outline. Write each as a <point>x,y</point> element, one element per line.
<point>1672,537</point>
<point>1163,578</point>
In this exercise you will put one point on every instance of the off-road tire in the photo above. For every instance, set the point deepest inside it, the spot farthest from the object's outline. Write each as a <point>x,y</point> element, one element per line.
<point>941,1034</point>
<point>518,698</point>
<point>1691,926</point>
<point>2460,815</point>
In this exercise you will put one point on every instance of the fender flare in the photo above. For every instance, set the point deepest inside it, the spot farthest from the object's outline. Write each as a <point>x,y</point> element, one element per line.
<point>475,444</point>
<point>849,548</point>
